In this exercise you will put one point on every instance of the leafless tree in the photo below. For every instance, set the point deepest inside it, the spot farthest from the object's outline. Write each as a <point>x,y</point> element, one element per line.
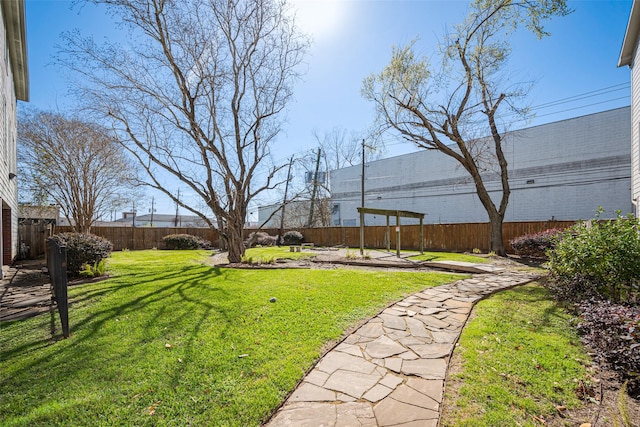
<point>339,148</point>
<point>198,97</point>
<point>470,95</point>
<point>74,163</point>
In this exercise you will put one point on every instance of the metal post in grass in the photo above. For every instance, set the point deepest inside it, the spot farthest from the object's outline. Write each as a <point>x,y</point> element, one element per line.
<point>57,266</point>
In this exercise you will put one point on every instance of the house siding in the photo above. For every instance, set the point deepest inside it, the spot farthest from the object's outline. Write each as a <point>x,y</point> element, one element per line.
<point>8,136</point>
<point>635,132</point>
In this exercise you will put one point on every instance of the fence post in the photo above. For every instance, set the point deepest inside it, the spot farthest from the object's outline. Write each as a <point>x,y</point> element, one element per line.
<point>57,266</point>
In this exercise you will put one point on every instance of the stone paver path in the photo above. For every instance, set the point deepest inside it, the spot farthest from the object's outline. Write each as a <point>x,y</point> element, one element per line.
<point>391,371</point>
<point>24,292</point>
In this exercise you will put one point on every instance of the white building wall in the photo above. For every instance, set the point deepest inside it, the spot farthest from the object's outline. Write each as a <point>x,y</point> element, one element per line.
<point>635,132</point>
<point>8,134</point>
<point>562,170</point>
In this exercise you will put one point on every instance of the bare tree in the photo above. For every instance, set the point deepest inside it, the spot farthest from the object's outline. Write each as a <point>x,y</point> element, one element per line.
<point>342,149</point>
<point>470,95</point>
<point>76,164</point>
<point>198,97</point>
<point>339,149</point>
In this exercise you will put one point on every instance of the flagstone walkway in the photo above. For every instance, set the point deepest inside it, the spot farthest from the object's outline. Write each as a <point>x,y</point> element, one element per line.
<point>391,371</point>
<point>24,292</point>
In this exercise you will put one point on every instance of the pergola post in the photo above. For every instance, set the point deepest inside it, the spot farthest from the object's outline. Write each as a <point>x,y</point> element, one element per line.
<point>361,231</point>
<point>398,235</point>
<point>421,236</point>
<point>388,236</point>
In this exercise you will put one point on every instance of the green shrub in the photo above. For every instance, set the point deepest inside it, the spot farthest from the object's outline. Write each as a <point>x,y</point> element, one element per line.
<point>534,245</point>
<point>83,249</point>
<point>185,241</point>
<point>265,259</point>
<point>95,270</point>
<point>601,255</point>
<point>293,238</point>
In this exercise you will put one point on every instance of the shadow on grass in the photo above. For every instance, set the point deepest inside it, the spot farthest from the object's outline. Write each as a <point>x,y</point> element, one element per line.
<point>535,294</point>
<point>175,285</point>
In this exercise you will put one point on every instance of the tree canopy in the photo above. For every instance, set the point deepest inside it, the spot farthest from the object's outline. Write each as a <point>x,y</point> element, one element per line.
<point>75,164</point>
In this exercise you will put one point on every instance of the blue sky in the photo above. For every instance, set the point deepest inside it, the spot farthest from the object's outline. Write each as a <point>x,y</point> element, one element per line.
<point>353,38</point>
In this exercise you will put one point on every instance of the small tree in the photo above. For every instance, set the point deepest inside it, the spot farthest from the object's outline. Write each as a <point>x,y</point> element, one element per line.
<point>74,163</point>
<point>448,110</point>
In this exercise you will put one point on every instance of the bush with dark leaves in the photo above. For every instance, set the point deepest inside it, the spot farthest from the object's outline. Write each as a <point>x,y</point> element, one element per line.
<point>575,290</point>
<point>185,242</point>
<point>293,238</point>
<point>535,245</point>
<point>260,238</point>
<point>83,249</point>
<point>613,331</point>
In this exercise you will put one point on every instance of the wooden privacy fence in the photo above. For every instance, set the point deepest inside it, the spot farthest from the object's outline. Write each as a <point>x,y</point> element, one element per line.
<point>437,237</point>
<point>32,238</point>
<point>138,238</point>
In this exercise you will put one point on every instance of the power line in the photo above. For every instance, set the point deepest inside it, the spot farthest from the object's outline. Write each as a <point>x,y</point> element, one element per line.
<point>578,97</point>
<point>583,106</point>
<point>597,92</point>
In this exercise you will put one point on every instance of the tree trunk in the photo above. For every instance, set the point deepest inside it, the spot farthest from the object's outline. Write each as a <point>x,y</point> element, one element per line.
<point>235,244</point>
<point>496,216</point>
<point>497,245</point>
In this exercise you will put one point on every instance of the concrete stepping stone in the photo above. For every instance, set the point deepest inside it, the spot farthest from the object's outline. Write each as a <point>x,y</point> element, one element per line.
<point>351,349</point>
<point>384,347</point>
<point>413,397</point>
<point>355,414</point>
<point>354,384</point>
<point>312,393</point>
<point>432,322</point>
<point>390,412</point>
<point>417,328</point>
<point>377,393</point>
<point>430,369</point>
<point>432,351</point>
<point>393,322</point>
<point>371,330</point>
<point>335,361</point>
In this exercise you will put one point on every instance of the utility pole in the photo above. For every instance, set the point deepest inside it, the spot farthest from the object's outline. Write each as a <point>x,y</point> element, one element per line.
<point>177,206</point>
<point>153,208</point>
<point>315,188</point>
<point>362,205</point>
<point>134,214</point>
<point>284,202</point>
<point>362,193</point>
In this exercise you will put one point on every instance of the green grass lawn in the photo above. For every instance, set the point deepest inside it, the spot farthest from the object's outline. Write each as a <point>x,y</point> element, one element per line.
<point>168,340</point>
<point>520,358</point>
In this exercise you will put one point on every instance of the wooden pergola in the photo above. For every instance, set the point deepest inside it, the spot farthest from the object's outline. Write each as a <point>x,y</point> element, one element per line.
<point>389,213</point>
